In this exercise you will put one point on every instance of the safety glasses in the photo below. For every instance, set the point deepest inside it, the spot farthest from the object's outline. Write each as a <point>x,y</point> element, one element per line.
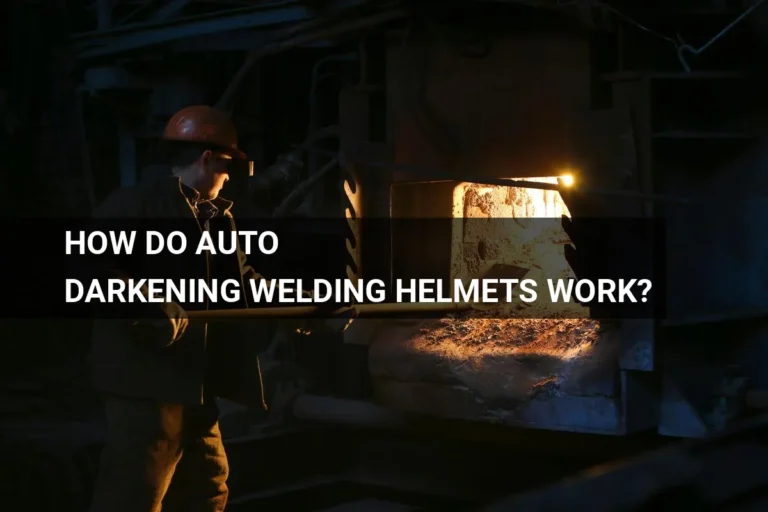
<point>236,165</point>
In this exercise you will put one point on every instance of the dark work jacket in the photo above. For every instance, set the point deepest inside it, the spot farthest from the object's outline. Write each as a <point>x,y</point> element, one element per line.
<point>130,360</point>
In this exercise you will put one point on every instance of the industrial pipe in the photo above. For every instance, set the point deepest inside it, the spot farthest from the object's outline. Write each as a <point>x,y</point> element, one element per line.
<point>359,310</point>
<point>304,188</point>
<point>314,82</point>
<point>287,165</point>
<point>279,46</point>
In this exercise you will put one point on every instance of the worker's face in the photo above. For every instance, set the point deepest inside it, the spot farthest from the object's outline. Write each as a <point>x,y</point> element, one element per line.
<point>215,172</point>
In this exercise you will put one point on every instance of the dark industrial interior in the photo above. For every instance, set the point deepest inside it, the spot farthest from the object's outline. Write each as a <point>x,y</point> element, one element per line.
<point>409,109</point>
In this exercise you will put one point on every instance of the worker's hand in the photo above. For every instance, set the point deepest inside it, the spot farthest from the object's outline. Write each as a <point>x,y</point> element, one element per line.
<point>177,320</point>
<point>168,327</point>
<point>335,324</point>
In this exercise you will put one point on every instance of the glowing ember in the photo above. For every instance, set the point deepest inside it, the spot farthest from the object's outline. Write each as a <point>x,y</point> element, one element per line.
<point>563,338</point>
<point>498,362</point>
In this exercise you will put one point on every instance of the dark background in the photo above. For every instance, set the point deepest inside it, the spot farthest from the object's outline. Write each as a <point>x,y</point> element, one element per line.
<point>423,98</point>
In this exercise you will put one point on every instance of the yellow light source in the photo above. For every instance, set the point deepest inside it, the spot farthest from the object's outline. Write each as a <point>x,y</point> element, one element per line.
<point>567,180</point>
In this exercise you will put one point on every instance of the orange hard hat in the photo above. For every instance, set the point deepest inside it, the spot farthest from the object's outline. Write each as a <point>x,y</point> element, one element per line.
<point>201,124</point>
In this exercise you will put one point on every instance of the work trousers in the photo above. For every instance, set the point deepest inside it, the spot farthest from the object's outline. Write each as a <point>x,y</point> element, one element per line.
<point>159,456</point>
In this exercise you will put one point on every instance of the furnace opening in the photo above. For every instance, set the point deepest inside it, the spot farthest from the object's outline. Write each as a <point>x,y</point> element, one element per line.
<point>513,226</point>
<point>508,362</point>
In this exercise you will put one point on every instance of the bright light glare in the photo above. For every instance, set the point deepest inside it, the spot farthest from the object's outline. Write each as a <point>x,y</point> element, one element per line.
<point>567,180</point>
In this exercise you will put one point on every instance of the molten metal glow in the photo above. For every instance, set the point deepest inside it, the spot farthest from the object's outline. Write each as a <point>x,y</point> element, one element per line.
<point>493,364</point>
<point>567,180</point>
<point>518,236</point>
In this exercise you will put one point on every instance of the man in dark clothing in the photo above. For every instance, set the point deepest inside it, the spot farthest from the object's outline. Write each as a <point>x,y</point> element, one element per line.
<point>159,376</point>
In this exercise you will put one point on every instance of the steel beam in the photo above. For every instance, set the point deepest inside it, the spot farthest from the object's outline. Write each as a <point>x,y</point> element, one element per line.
<point>131,37</point>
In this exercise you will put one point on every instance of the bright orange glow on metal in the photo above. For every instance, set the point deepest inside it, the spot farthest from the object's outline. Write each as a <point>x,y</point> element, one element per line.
<point>567,180</point>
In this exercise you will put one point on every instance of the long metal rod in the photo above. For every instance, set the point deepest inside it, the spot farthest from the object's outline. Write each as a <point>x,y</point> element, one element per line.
<point>359,310</point>
<point>622,194</point>
<point>410,308</point>
<point>503,182</point>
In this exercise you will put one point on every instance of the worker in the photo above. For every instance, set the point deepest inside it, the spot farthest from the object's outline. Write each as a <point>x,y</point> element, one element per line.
<point>159,377</point>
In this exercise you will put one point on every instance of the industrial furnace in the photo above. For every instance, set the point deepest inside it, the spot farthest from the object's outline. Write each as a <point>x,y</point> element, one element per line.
<point>609,91</point>
<point>552,369</point>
